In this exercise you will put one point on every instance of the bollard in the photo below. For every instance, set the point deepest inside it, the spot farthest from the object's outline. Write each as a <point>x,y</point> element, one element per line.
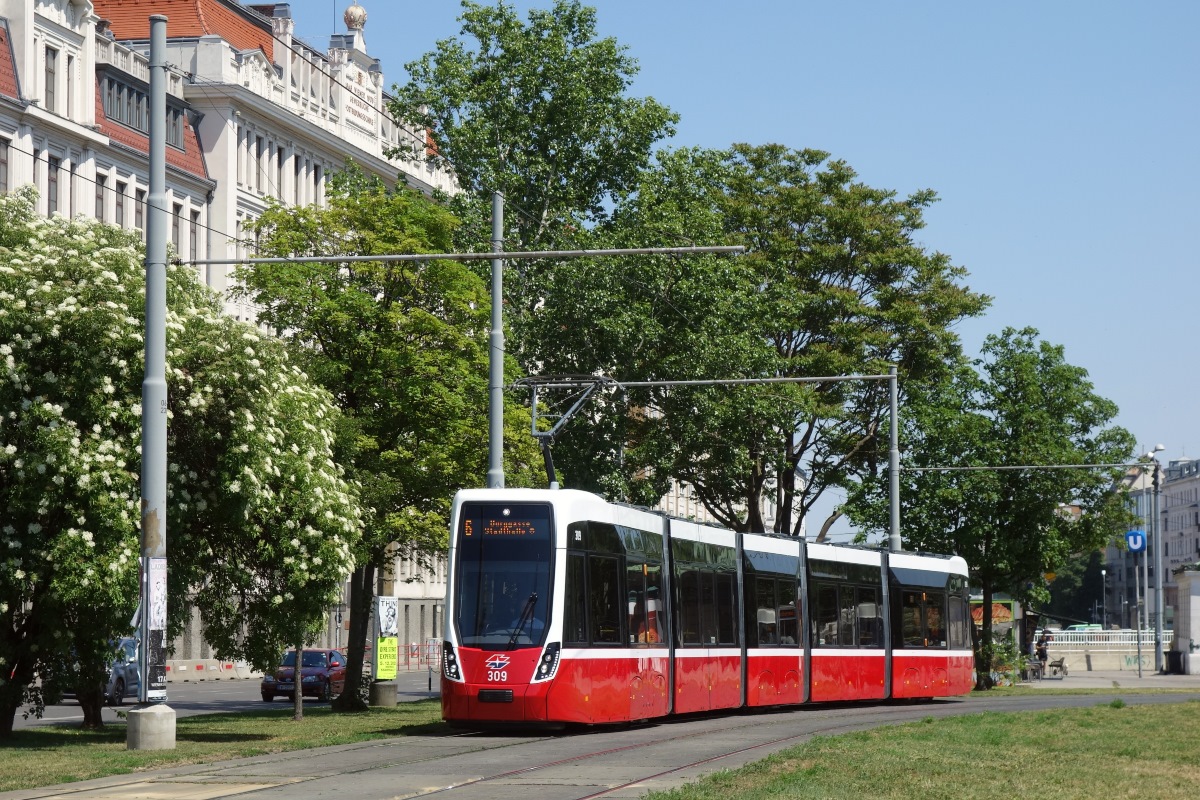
<point>383,693</point>
<point>150,728</point>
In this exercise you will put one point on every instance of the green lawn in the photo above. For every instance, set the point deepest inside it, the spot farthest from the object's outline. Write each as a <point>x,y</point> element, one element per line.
<point>44,756</point>
<point>1107,750</point>
<point>1110,750</point>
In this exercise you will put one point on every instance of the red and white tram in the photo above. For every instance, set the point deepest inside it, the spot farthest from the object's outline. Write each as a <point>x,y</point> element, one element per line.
<point>564,608</point>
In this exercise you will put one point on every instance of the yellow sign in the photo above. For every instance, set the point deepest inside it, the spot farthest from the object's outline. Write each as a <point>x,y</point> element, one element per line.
<point>387,653</point>
<point>1050,576</point>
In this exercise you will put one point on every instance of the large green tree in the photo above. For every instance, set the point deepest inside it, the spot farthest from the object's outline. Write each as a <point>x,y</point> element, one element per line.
<point>536,111</point>
<point>403,348</point>
<point>260,521</point>
<point>833,282</point>
<point>1016,418</point>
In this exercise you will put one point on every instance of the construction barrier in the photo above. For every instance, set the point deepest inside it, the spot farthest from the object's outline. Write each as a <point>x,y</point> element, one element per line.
<point>209,669</point>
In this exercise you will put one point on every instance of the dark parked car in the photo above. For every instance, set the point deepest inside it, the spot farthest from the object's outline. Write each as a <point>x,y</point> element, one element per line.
<point>122,674</point>
<point>322,675</point>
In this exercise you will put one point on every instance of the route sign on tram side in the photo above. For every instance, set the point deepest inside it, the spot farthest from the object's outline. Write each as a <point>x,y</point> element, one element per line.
<point>1136,540</point>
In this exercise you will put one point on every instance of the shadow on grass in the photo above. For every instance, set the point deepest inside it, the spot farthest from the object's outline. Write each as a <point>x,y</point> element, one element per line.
<point>227,738</point>
<point>46,738</point>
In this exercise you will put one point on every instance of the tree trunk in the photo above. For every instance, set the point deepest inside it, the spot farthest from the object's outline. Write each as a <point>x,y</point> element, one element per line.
<point>91,702</point>
<point>297,685</point>
<point>8,714</point>
<point>984,651</point>
<point>362,592</point>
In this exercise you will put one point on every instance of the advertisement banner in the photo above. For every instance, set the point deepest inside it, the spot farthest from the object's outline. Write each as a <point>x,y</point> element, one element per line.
<point>387,642</point>
<point>155,649</point>
<point>387,652</point>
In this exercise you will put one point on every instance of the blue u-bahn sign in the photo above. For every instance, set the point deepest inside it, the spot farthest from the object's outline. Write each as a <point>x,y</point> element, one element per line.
<point>1136,540</point>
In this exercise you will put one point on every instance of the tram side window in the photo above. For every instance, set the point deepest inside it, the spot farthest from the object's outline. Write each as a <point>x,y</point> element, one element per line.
<point>766,614</point>
<point>708,609</point>
<point>689,607</point>
<point>846,614</point>
<point>870,625</point>
<point>935,619</point>
<point>959,632</point>
<point>785,592</point>
<point>912,628</point>
<point>575,623</point>
<point>923,619</point>
<point>726,609</point>
<point>604,595</point>
<point>826,614</point>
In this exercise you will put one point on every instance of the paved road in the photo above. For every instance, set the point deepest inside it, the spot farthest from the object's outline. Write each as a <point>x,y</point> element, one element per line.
<point>608,762</point>
<point>218,696</point>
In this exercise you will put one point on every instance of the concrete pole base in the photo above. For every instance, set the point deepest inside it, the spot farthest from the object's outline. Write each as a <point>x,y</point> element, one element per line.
<point>151,728</point>
<point>383,693</point>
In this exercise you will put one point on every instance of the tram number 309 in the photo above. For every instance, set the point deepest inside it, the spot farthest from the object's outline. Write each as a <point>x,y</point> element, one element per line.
<point>497,675</point>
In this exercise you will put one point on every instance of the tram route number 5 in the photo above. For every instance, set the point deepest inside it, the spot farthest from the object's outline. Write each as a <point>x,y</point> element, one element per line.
<point>496,668</point>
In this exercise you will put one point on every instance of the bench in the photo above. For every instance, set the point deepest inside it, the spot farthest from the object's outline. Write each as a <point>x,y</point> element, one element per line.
<point>1035,669</point>
<point>1058,667</point>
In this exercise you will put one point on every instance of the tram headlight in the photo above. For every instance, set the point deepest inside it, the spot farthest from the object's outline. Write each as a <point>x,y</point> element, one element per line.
<point>450,662</point>
<point>548,663</point>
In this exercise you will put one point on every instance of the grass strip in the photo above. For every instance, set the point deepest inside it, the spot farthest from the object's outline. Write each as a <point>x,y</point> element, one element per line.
<point>48,755</point>
<point>1109,750</point>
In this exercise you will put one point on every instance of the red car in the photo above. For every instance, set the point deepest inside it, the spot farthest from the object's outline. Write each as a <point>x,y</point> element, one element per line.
<point>322,675</point>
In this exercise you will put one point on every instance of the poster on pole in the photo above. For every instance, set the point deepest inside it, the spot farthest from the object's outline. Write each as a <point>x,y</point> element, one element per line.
<point>387,642</point>
<point>155,646</point>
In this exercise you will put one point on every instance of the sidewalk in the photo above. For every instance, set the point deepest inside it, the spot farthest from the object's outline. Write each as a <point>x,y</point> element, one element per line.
<point>1114,679</point>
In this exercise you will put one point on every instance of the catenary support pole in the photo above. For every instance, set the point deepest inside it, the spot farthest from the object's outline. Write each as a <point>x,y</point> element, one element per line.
<point>153,727</point>
<point>894,462</point>
<point>1159,566</point>
<point>495,475</point>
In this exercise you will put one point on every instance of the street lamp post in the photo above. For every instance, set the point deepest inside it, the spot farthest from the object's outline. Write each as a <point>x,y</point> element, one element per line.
<point>1156,536</point>
<point>1103,599</point>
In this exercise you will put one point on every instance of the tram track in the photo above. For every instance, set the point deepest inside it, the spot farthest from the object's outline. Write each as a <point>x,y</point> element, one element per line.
<point>772,731</point>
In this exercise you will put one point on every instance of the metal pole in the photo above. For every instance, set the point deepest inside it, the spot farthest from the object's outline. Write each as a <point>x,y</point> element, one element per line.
<point>1137,609</point>
<point>1158,573</point>
<point>495,475</point>
<point>894,463</point>
<point>152,658</point>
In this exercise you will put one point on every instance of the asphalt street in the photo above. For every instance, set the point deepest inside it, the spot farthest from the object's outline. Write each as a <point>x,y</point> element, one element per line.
<point>618,762</point>
<point>220,696</point>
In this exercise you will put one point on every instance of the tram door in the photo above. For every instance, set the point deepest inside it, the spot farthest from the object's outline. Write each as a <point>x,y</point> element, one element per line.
<point>708,656</point>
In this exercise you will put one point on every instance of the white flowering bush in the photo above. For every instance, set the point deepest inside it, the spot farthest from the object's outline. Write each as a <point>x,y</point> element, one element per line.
<point>260,522</point>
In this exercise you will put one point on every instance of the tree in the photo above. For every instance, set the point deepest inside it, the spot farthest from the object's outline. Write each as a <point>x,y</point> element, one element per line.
<point>539,112</point>
<point>402,346</point>
<point>1019,405</point>
<point>260,521</point>
<point>833,282</point>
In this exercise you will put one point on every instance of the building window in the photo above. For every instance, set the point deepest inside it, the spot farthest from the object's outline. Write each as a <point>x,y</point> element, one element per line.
<point>260,157</point>
<point>194,237</point>
<point>139,210</point>
<point>71,187</point>
<point>51,78</point>
<point>52,167</point>
<point>175,127</point>
<point>101,184</point>
<point>70,91</point>
<point>4,149</point>
<point>119,216</point>
<point>176,215</point>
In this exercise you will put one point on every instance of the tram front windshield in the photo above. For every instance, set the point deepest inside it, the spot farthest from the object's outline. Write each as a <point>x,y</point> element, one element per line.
<point>502,593</point>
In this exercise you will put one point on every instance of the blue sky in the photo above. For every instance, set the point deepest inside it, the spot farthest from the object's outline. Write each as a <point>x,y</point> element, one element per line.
<point>1063,139</point>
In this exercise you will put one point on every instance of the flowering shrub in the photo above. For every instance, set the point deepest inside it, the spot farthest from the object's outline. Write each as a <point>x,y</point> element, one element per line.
<point>260,521</point>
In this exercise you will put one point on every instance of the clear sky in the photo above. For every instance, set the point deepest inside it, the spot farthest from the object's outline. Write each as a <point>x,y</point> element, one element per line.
<point>1063,139</point>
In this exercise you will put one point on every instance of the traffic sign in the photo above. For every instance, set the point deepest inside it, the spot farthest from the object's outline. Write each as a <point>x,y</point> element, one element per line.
<point>1136,540</point>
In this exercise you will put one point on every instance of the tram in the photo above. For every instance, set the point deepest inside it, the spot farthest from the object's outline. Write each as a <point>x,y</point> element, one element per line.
<point>564,608</point>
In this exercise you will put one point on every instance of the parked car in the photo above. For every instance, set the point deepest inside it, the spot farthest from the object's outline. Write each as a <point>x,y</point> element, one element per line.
<point>322,675</point>
<point>123,675</point>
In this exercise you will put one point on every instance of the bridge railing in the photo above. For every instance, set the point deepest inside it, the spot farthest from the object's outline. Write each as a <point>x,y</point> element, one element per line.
<point>1123,640</point>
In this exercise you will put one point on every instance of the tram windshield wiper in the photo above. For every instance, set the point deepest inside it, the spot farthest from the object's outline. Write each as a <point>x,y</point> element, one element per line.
<point>525,618</point>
